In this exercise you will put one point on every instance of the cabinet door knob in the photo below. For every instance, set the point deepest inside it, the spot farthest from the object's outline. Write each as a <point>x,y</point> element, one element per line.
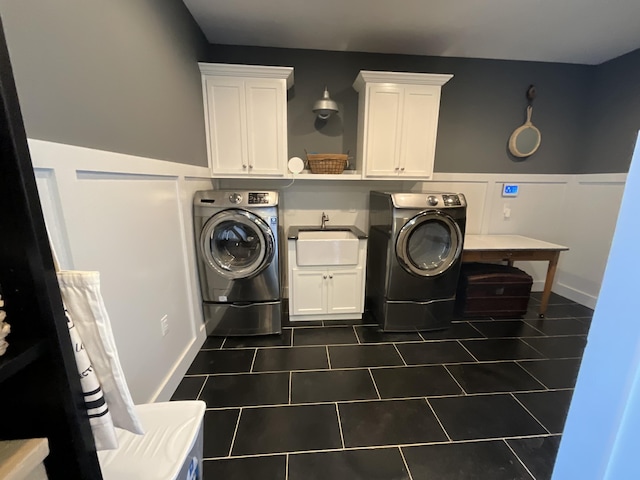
<point>250,166</point>
<point>402,169</point>
<point>324,276</point>
<point>244,166</point>
<point>330,276</point>
<point>397,168</point>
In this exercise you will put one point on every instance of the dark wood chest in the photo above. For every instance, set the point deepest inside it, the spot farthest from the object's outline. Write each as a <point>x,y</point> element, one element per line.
<point>492,290</point>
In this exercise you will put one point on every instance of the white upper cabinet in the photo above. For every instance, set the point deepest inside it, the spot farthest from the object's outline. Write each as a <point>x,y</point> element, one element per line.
<point>398,123</point>
<point>245,110</point>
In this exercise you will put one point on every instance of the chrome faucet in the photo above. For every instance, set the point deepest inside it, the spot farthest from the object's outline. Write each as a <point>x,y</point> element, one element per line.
<point>325,219</point>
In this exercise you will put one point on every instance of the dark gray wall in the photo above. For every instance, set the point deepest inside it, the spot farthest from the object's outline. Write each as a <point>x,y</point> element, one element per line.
<point>614,115</point>
<point>480,107</point>
<point>117,75</point>
<point>122,76</point>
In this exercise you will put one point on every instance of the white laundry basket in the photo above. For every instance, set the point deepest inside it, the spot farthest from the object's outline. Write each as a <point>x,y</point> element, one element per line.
<point>170,449</point>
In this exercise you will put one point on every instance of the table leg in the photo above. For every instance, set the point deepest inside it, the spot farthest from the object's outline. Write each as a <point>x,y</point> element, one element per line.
<point>548,283</point>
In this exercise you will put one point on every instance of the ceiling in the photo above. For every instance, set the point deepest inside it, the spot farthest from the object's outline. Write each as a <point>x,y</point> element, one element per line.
<point>571,31</point>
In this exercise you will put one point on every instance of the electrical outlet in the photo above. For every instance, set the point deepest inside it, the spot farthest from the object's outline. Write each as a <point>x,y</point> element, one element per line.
<point>164,325</point>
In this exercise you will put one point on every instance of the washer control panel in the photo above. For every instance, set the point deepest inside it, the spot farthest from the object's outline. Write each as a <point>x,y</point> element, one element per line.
<point>451,200</point>
<point>258,198</point>
<point>236,198</point>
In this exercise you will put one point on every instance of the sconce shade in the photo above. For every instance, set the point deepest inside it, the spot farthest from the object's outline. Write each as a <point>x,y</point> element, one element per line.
<point>325,106</point>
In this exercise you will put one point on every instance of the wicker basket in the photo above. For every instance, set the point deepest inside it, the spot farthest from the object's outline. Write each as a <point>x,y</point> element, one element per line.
<point>333,163</point>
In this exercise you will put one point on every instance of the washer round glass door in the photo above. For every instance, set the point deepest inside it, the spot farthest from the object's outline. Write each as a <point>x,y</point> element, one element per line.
<point>237,244</point>
<point>429,244</point>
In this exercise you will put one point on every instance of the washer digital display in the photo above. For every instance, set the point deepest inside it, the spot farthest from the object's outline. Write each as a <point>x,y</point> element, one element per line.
<point>256,198</point>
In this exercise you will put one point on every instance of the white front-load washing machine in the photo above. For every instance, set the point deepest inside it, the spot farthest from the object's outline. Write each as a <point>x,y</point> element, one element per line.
<point>238,261</point>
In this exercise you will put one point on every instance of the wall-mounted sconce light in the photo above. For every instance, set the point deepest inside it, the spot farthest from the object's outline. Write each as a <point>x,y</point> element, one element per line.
<point>325,106</point>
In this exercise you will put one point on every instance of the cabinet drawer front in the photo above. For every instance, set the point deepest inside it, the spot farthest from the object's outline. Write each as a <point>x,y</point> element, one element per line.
<point>513,255</point>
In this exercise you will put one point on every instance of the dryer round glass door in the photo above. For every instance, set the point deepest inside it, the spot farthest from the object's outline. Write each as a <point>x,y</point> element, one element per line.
<point>429,244</point>
<point>237,244</point>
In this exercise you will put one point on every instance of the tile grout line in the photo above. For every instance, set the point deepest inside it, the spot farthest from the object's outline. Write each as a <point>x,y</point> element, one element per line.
<point>469,351</point>
<point>470,362</point>
<point>399,342</point>
<point>286,468</point>
<point>406,465</point>
<point>464,392</point>
<point>235,432</point>
<point>473,326</point>
<point>356,334</point>
<point>326,347</point>
<point>529,412</point>
<point>374,384</point>
<point>223,342</point>
<point>340,425</point>
<point>401,357</point>
<point>290,381</point>
<point>438,419</point>
<point>519,459</point>
<point>544,334</point>
<point>202,387</point>
<point>534,348</point>
<point>390,446</point>
<point>255,354</point>
<point>532,375</point>
<point>541,382</point>
<point>390,399</point>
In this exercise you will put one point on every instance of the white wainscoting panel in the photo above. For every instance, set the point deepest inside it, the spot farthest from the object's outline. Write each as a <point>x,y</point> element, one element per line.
<point>589,221</point>
<point>130,219</point>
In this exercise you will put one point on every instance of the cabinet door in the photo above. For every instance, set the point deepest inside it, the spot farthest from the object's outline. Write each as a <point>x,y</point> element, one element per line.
<point>226,125</point>
<point>266,127</point>
<point>345,291</point>
<point>382,142</point>
<point>308,292</point>
<point>419,129</point>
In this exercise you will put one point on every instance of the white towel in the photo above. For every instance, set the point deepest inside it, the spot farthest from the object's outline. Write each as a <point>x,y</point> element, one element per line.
<point>83,300</point>
<point>104,432</point>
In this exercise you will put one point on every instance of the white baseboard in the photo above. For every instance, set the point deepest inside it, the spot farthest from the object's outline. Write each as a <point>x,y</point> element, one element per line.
<point>576,295</point>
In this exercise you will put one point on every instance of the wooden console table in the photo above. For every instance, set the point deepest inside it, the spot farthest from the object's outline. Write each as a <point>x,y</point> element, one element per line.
<point>510,248</point>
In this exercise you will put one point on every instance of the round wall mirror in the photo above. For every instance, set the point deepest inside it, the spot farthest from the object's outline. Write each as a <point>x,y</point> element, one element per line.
<point>525,139</point>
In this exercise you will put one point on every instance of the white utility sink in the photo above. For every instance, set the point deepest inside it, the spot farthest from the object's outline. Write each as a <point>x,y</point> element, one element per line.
<point>326,247</point>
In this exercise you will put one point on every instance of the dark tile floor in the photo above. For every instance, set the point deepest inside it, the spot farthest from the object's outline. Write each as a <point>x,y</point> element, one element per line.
<point>485,399</point>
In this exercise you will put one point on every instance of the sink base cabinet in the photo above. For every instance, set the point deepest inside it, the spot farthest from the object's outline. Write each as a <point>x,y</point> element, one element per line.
<point>326,292</point>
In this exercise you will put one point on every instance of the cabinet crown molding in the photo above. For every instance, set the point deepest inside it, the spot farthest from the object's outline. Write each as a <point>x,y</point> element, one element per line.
<point>368,76</point>
<point>254,71</point>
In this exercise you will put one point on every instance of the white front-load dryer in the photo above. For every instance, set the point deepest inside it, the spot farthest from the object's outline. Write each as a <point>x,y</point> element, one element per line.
<point>236,234</point>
